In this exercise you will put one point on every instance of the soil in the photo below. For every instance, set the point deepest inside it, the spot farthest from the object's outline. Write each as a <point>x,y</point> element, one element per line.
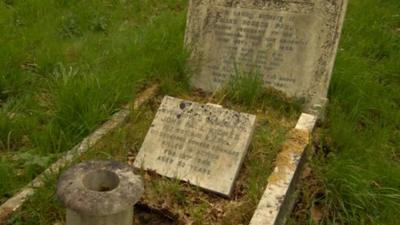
<point>147,216</point>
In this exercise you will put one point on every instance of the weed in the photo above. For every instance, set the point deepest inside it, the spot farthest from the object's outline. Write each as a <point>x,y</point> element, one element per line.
<point>99,23</point>
<point>245,88</point>
<point>248,89</point>
<point>7,184</point>
<point>42,208</point>
<point>70,28</point>
<point>198,214</point>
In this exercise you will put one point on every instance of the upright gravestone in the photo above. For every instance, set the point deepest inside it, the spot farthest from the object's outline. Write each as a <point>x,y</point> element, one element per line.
<point>202,144</point>
<point>290,43</point>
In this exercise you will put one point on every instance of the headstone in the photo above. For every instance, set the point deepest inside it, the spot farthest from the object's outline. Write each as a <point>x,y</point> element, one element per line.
<point>290,43</point>
<point>202,144</point>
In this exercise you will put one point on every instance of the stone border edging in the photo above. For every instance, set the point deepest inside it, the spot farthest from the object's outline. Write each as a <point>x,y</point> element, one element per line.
<point>15,202</point>
<point>276,202</point>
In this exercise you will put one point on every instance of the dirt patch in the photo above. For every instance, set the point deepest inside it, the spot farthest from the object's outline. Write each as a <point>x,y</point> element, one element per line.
<point>5,214</point>
<point>148,216</point>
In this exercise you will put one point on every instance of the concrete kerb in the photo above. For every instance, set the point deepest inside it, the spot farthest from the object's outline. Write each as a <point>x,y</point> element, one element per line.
<point>15,202</point>
<point>277,200</point>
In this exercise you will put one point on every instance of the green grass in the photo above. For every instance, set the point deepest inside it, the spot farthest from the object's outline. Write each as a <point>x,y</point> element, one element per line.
<point>44,207</point>
<point>358,163</point>
<point>247,89</point>
<point>185,201</point>
<point>65,66</point>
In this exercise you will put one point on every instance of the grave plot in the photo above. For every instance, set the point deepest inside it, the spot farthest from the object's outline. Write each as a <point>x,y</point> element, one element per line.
<point>173,201</point>
<point>196,201</point>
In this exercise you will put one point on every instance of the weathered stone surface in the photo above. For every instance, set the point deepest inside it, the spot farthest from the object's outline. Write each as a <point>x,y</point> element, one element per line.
<point>202,144</point>
<point>99,192</point>
<point>278,199</point>
<point>291,44</point>
<point>99,188</point>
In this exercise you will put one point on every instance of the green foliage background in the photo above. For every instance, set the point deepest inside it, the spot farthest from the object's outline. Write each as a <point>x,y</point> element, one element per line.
<point>65,66</point>
<point>360,166</point>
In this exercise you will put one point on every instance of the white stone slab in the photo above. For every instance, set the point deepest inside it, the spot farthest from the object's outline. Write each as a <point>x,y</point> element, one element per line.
<point>291,44</point>
<point>202,144</point>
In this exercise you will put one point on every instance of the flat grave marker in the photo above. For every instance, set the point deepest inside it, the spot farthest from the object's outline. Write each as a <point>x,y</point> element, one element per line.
<point>202,144</point>
<point>290,43</point>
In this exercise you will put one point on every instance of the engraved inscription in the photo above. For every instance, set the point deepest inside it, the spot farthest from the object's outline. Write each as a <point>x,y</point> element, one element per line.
<point>290,44</point>
<point>253,41</point>
<point>199,143</point>
<point>184,143</point>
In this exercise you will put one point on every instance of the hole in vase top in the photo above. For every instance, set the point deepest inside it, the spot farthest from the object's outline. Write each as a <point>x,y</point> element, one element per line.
<point>101,181</point>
